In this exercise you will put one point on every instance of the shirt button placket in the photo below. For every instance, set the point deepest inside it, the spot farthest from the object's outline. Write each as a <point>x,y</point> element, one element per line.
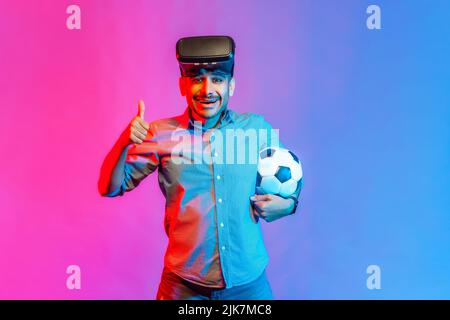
<point>218,186</point>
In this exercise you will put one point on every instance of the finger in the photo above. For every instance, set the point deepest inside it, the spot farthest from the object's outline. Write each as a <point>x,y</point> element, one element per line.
<point>143,123</point>
<point>138,134</point>
<point>258,197</point>
<point>261,197</point>
<point>259,206</point>
<point>141,109</point>
<point>256,209</point>
<point>261,214</point>
<point>138,127</point>
<point>136,140</point>
<point>254,214</point>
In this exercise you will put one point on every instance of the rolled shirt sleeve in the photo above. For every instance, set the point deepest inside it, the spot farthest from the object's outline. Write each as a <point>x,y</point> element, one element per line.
<point>273,140</point>
<point>141,160</point>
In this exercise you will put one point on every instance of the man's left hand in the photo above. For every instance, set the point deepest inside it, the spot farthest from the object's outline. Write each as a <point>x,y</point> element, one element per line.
<point>271,207</point>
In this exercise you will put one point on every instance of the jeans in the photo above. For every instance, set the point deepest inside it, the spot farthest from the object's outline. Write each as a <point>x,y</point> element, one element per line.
<point>173,287</point>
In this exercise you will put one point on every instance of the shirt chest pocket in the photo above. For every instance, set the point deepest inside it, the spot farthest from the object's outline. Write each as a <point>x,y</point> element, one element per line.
<point>239,178</point>
<point>195,177</point>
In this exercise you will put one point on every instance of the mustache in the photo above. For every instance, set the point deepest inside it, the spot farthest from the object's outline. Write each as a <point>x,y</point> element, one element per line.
<point>207,98</point>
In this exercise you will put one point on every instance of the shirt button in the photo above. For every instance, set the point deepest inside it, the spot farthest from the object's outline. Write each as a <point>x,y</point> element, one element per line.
<point>212,137</point>
<point>223,247</point>
<point>220,200</point>
<point>221,224</point>
<point>218,177</point>
<point>216,154</point>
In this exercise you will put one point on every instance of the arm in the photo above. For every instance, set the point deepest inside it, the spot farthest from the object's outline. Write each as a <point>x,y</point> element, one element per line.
<point>273,207</point>
<point>130,160</point>
<point>112,172</point>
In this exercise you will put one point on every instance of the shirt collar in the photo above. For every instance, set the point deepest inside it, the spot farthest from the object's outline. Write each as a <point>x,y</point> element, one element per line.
<point>187,122</point>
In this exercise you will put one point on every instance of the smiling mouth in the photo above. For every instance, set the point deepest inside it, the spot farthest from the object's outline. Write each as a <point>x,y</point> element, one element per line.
<point>207,101</point>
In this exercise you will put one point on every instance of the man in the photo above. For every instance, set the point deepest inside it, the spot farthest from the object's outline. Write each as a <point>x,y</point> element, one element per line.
<point>215,249</point>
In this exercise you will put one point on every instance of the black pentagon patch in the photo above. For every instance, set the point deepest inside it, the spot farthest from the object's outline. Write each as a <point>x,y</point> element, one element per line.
<point>269,152</point>
<point>283,174</point>
<point>294,156</point>
<point>258,179</point>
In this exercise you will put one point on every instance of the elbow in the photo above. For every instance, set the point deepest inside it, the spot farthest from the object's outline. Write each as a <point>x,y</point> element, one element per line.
<point>105,191</point>
<point>110,194</point>
<point>102,192</point>
<point>101,187</point>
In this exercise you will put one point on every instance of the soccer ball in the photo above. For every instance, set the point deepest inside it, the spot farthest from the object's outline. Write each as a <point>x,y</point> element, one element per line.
<point>279,172</point>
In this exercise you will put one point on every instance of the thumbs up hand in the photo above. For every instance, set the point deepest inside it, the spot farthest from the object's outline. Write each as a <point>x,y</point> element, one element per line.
<point>141,109</point>
<point>138,128</point>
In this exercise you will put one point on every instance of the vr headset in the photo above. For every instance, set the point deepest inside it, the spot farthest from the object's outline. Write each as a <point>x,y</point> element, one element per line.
<point>205,52</point>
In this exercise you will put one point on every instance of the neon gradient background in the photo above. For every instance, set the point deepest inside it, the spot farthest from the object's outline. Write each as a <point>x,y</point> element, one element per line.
<point>367,112</point>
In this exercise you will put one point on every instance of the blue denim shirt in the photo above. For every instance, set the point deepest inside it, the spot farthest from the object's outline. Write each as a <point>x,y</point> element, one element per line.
<point>213,240</point>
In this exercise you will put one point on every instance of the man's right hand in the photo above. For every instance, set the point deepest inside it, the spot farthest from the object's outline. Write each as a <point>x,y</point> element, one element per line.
<point>138,128</point>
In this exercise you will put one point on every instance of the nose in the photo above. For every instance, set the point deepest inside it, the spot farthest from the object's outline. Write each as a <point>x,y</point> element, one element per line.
<point>207,87</point>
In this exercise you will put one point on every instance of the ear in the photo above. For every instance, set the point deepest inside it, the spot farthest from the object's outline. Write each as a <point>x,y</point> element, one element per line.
<point>231,86</point>
<point>182,85</point>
